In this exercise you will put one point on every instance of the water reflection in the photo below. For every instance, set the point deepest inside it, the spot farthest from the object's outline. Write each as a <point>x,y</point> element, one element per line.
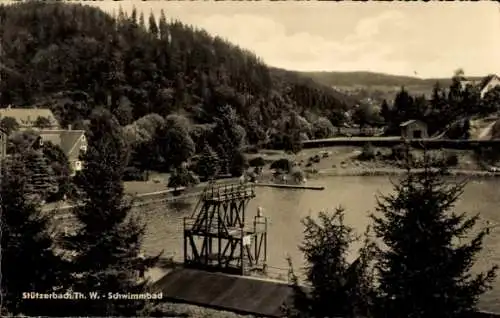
<point>286,208</point>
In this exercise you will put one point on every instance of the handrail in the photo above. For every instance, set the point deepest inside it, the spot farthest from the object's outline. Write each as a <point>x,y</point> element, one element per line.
<point>189,223</point>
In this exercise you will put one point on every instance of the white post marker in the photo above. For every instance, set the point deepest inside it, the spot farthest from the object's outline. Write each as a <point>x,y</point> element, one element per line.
<point>260,212</point>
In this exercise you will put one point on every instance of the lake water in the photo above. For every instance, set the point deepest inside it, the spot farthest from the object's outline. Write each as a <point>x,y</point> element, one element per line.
<point>285,208</point>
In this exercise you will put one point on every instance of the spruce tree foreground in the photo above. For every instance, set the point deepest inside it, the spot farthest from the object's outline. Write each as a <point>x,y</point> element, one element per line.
<point>29,261</point>
<point>106,246</point>
<point>418,265</point>
<point>423,265</point>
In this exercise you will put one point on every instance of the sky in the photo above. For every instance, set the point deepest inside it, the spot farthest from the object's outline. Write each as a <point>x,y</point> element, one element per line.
<point>402,38</point>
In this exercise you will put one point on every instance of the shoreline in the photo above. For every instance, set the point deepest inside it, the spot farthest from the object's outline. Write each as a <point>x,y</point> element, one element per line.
<point>371,172</point>
<point>267,177</point>
<point>367,172</point>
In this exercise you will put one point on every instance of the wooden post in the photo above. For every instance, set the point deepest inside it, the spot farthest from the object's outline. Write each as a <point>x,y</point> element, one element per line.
<point>185,243</point>
<point>265,241</point>
<point>242,253</point>
<point>219,238</point>
<point>255,241</point>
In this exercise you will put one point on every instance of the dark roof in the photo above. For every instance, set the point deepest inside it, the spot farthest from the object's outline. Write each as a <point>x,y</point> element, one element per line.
<point>70,141</point>
<point>244,295</point>
<point>411,121</point>
<point>485,81</point>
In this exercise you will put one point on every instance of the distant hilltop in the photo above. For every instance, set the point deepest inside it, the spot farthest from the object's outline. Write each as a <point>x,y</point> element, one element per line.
<point>376,79</point>
<point>379,86</point>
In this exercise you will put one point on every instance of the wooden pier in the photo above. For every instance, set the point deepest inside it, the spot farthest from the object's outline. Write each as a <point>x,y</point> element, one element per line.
<point>290,186</point>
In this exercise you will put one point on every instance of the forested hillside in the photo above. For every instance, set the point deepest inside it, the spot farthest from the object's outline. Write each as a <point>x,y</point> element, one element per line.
<point>73,58</point>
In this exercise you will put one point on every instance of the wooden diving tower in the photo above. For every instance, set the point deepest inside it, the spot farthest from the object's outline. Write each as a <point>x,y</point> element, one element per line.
<point>216,236</point>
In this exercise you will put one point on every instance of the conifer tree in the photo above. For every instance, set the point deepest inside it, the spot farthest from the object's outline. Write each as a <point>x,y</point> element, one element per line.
<point>153,27</point>
<point>41,176</point>
<point>163,26</point>
<point>423,265</point>
<point>338,288</point>
<point>108,244</point>
<point>28,262</point>
<point>208,164</point>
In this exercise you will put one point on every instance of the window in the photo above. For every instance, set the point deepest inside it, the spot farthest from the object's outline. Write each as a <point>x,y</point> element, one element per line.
<point>78,165</point>
<point>83,148</point>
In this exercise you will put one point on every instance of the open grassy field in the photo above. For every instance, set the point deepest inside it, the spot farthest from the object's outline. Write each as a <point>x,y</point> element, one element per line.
<point>156,182</point>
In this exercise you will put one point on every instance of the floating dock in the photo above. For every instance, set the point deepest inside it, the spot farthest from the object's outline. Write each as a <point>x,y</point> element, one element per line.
<point>290,186</point>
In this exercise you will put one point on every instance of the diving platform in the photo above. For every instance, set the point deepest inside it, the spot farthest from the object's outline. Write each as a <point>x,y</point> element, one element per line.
<point>217,236</point>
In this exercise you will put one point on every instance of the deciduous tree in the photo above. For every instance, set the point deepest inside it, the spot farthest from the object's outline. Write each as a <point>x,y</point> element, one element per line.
<point>182,177</point>
<point>42,122</point>
<point>9,124</point>
<point>174,142</point>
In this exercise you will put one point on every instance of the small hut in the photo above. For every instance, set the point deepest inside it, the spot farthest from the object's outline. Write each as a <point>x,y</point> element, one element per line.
<point>414,129</point>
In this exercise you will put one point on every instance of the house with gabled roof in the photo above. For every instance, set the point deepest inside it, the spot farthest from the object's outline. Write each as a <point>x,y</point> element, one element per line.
<point>27,117</point>
<point>488,83</point>
<point>72,143</point>
<point>485,85</point>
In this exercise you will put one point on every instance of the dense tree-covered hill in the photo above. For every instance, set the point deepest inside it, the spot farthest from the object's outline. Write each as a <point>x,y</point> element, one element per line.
<point>73,58</point>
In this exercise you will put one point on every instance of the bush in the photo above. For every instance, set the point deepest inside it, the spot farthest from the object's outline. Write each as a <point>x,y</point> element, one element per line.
<point>489,155</point>
<point>451,160</point>
<point>239,164</point>
<point>134,174</point>
<point>292,143</point>
<point>282,164</point>
<point>315,159</point>
<point>367,153</point>
<point>297,175</point>
<point>399,152</point>
<point>182,177</point>
<point>257,162</point>
<point>252,149</point>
